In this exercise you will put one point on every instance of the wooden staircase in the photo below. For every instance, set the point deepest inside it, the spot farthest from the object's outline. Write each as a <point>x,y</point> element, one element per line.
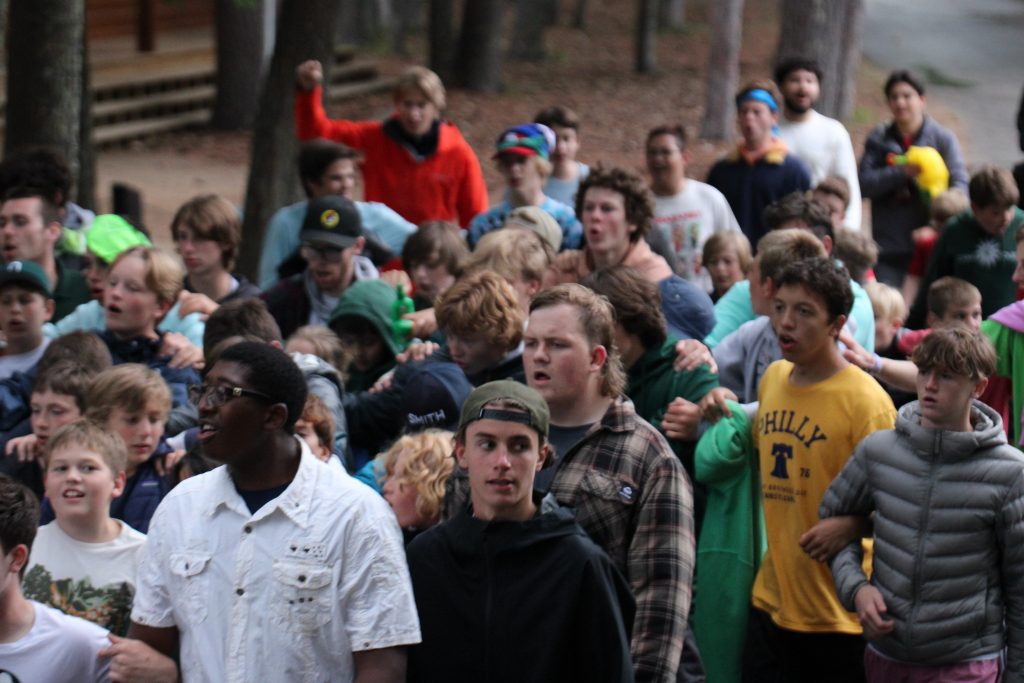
<point>157,93</point>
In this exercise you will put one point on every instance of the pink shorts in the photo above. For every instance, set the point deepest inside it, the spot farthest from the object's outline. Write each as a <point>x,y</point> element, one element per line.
<point>881,669</point>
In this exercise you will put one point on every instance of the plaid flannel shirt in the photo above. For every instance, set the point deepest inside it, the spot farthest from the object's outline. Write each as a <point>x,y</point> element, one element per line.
<point>633,499</point>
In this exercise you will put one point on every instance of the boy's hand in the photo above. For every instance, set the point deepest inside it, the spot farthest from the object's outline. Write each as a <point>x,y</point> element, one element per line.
<point>681,420</point>
<point>691,354</point>
<point>417,352</point>
<point>383,383</point>
<point>133,660</point>
<point>181,351</point>
<point>826,538</point>
<point>395,278</point>
<point>194,302</point>
<point>855,353</point>
<point>309,74</point>
<point>871,610</point>
<point>25,448</point>
<point>713,406</point>
<point>424,323</point>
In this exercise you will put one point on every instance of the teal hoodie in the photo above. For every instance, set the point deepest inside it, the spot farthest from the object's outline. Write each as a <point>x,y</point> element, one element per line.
<point>370,300</point>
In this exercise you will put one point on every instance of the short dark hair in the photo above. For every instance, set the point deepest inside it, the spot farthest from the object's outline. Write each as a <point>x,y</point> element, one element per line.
<point>837,186</point>
<point>904,76</point>
<point>273,373</point>
<point>637,198</point>
<point>436,237</point>
<point>84,349</point>
<point>558,115</point>
<point>68,378</point>
<point>316,156</point>
<point>636,300</point>
<point>992,186</point>
<point>676,131</point>
<point>19,516</point>
<point>241,317</point>
<point>788,66</point>
<point>825,278</point>
<point>40,167</point>
<point>797,206</point>
<point>48,210</point>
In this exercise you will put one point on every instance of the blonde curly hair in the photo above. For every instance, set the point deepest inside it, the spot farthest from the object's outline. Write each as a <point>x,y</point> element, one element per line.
<point>428,463</point>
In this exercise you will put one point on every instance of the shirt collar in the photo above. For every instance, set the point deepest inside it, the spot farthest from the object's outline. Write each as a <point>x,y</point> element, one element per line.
<point>294,502</point>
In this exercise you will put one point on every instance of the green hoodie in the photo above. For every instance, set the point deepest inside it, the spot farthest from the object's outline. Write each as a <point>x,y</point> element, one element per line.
<point>370,300</point>
<point>731,543</point>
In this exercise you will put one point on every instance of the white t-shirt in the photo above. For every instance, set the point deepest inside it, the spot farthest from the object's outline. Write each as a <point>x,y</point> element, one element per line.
<point>285,594</point>
<point>94,581</point>
<point>687,219</point>
<point>20,362</point>
<point>58,649</point>
<point>824,145</point>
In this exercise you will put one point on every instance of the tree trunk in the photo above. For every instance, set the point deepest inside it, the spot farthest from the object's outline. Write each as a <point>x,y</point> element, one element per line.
<point>723,69</point>
<point>442,38</point>
<point>580,20</point>
<point>528,33</point>
<point>671,14</point>
<point>479,60</point>
<point>820,30</point>
<point>239,63</point>
<point>305,30</point>
<point>849,59</point>
<point>408,20</point>
<point>552,12</point>
<point>85,187</point>
<point>44,77</point>
<point>646,29</point>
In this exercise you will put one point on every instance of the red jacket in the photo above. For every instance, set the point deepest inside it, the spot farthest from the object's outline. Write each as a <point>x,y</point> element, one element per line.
<point>447,185</point>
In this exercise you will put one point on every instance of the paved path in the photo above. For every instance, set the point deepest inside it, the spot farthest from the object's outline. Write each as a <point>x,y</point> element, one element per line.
<point>971,53</point>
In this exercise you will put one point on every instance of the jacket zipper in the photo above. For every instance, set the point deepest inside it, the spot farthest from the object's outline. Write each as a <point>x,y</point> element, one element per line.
<point>919,553</point>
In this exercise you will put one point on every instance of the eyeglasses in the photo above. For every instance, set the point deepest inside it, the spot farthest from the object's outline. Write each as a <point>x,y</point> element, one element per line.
<point>328,254</point>
<point>218,394</point>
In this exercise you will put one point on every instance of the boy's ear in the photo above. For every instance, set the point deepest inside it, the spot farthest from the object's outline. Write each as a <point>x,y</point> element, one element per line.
<point>837,325</point>
<point>979,387</point>
<point>50,306</point>
<point>119,482</point>
<point>276,416</point>
<point>827,242</point>
<point>460,454</point>
<point>19,558</point>
<point>931,319</point>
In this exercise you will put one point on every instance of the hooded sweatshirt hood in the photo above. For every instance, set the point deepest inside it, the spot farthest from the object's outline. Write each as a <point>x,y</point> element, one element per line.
<point>371,300</point>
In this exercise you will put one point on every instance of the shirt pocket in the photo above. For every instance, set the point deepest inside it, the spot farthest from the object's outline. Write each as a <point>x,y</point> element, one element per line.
<point>605,509</point>
<point>192,583</point>
<point>303,595</point>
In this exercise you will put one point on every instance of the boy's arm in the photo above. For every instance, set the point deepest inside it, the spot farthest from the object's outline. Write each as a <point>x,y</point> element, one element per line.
<point>1010,537</point>
<point>849,494</point>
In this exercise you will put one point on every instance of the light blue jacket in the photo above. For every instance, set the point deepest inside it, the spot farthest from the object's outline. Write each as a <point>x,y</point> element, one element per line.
<point>90,317</point>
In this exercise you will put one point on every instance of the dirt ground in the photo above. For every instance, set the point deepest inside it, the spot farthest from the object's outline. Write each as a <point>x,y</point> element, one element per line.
<point>589,71</point>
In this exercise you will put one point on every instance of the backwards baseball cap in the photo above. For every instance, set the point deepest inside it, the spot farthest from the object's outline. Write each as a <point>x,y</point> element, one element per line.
<point>534,411</point>
<point>537,220</point>
<point>331,220</point>
<point>110,234</point>
<point>434,393</point>
<point>527,140</point>
<point>27,274</point>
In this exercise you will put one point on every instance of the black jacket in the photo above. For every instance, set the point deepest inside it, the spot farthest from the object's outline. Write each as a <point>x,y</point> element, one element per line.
<point>518,601</point>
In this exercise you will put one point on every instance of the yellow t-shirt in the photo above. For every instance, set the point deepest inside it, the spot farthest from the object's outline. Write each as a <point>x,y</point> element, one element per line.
<point>804,436</point>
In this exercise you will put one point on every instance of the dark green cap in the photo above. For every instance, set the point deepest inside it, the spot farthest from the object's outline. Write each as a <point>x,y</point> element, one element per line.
<point>536,413</point>
<point>27,274</point>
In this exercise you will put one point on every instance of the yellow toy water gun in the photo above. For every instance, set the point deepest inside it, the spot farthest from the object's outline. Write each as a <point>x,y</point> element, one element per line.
<point>934,177</point>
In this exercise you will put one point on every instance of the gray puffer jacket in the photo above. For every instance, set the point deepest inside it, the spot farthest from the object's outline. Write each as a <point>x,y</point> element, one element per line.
<point>949,538</point>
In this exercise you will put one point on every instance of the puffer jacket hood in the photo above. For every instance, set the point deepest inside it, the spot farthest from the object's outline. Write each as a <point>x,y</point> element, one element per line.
<point>988,433</point>
<point>371,300</point>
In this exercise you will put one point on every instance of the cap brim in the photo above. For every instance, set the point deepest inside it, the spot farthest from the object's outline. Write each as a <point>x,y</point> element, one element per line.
<point>516,151</point>
<point>335,239</point>
<point>27,281</point>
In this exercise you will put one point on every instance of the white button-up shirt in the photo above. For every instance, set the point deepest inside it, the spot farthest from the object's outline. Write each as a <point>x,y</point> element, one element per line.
<point>286,594</point>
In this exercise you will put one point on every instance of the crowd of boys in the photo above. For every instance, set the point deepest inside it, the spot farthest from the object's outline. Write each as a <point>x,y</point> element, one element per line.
<point>610,428</point>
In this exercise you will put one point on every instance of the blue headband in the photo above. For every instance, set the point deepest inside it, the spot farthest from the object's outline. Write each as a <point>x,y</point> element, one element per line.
<point>760,95</point>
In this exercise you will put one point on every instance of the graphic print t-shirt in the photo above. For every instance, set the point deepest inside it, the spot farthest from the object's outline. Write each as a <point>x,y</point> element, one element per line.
<point>94,581</point>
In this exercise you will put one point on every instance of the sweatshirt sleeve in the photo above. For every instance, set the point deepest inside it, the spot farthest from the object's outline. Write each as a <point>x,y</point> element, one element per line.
<point>949,148</point>
<point>724,449</point>
<point>877,178</point>
<point>311,121</point>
